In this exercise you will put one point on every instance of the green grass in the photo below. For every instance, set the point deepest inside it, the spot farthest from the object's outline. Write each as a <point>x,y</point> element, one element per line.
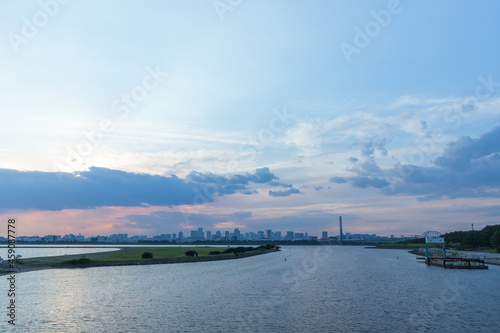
<point>128,254</point>
<point>134,254</point>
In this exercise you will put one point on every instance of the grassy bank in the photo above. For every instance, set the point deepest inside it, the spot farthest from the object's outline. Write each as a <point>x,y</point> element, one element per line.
<point>134,256</point>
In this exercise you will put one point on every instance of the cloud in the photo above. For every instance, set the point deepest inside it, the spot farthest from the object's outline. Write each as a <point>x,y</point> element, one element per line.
<point>338,180</point>
<point>468,167</point>
<point>241,215</point>
<point>161,221</point>
<point>222,185</point>
<point>228,225</point>
<point>100,187</point>
<point>368,148</point>
<point>284,193</point>
<point>263,175</point>
<point>425,129</point>
<point>362,182</point>
<point>463,153</point>
<point>260,176</point>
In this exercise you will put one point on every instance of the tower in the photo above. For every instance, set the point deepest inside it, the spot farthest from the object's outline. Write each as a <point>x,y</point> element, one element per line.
<point>340,224</point>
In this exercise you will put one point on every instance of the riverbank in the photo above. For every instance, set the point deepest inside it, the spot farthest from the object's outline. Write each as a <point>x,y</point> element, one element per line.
<point>128,256</point>
<point>393,247</point>
<point>489,258</point>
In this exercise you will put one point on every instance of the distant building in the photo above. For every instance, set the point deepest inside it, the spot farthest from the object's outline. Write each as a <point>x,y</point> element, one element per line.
<point>51,238</point>
<point>268,234</point>
<point>237,233</point>
<point>298,236</point>
<point>201,234</point>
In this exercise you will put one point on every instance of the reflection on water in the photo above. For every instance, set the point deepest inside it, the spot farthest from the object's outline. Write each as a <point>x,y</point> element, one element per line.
<point>61,250</point>
<point>317,289</point>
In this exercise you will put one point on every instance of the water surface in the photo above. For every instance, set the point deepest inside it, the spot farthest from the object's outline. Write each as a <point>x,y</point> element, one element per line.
<point>316,289</point>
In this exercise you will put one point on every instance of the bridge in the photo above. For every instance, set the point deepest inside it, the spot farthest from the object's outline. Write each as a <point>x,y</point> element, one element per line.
<point>431,234</point>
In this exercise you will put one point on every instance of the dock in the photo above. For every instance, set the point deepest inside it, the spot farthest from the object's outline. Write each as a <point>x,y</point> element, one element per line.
<point>456,263</point>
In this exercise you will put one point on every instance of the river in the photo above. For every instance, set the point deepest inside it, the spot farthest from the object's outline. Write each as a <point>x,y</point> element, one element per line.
<point>300,289</point>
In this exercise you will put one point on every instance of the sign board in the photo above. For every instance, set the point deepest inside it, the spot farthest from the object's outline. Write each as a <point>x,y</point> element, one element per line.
<point>434,240</point>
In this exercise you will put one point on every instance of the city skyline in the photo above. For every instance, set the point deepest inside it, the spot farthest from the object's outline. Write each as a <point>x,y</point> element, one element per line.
<point>171,115</point>
<point>199,234</point>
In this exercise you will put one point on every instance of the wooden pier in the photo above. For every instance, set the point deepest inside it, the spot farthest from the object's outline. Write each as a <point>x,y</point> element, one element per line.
<point>456,263</point>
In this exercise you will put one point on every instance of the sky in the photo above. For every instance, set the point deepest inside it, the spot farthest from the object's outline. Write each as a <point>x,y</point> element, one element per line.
<point>150,117</point>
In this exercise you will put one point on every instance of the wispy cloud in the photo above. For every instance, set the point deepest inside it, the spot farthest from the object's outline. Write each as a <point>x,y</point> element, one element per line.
<point>284,193</point>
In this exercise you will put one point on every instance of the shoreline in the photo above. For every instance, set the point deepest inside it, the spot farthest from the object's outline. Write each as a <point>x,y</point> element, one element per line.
<point>391,247</point>
<point>489,258</point>
<point>61,262</point>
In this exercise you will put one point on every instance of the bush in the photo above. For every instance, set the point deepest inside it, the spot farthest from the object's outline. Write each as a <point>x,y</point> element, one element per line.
<point>81,261</point>
<point>147,255</point>
<point>229,250</point>
<point>240,249</point>
<point>191,253</point>
<point>214,253</point>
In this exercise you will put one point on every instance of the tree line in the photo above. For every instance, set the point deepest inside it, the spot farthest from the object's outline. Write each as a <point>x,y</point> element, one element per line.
<point>489,236</point>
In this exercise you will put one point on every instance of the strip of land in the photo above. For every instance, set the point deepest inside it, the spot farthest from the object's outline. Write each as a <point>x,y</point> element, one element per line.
<point>134,256</point>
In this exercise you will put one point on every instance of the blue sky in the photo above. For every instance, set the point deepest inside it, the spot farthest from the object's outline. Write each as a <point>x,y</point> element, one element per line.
<point>158,116</point>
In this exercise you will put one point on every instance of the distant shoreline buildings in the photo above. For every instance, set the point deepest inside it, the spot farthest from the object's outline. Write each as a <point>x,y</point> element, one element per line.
<point>199,235</point>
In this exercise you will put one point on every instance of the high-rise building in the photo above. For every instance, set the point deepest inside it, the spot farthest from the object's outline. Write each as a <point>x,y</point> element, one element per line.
<point>194,235</point>
<point>237,233</point>
<point>340,225</point>
<point>324,234</point>
<point>201,234</point>
<point>299,235</point>
<point>268,234</point>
